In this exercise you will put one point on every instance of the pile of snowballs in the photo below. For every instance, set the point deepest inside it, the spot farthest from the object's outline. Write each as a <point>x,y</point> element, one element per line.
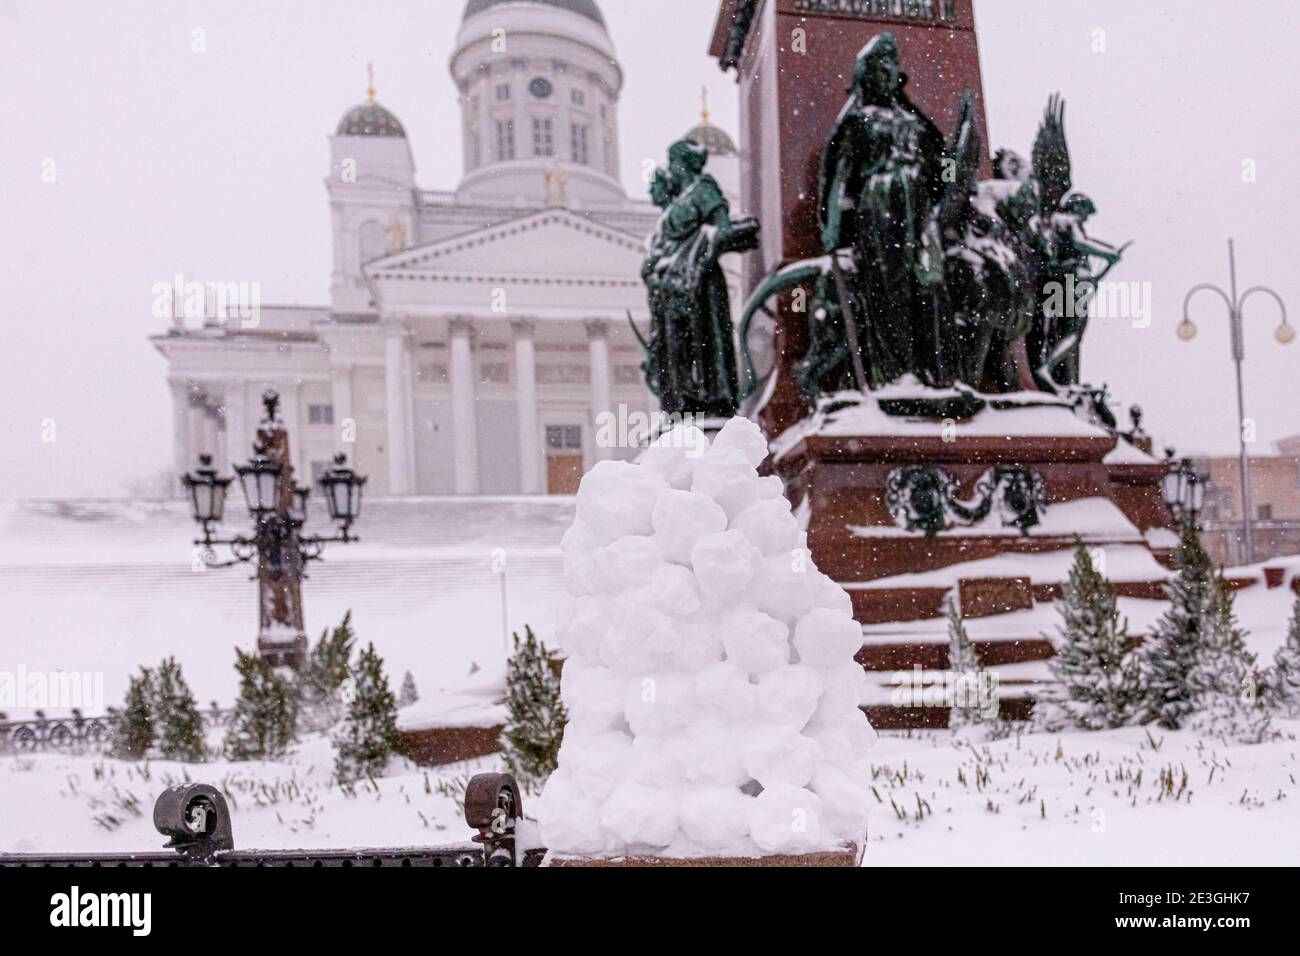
<point>709,681</point>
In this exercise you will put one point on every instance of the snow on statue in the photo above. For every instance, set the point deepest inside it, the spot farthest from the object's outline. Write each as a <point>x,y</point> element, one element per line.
<point>710,682</point>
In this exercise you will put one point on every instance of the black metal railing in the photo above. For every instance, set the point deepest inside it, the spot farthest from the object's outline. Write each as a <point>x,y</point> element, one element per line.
<point>77,733</point>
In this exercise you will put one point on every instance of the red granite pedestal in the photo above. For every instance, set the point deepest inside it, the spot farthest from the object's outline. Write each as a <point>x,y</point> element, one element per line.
<point>838,482</point>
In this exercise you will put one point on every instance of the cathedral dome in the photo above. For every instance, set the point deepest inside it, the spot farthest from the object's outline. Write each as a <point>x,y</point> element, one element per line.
<point>714,139</point>
<point>585,8</point>
<point>370,119</point>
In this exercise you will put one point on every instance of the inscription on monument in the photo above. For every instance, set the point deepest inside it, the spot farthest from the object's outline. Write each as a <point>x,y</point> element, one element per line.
<point>926,11</point>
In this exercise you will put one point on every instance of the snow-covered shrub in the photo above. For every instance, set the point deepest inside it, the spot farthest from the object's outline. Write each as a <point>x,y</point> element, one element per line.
<point>968,681</point>
<point>1284,677</point>
<point>176,716</point>
<point>368,737</point>
<point>1097,684</point>
<point>1169,657</point>
<point>534,728</point>
<point>134,733</point>
<point>321,679</point>
<point>712,695</point>
<point>262,725</point>
<point>409,694</point>
<point>1230,702</point>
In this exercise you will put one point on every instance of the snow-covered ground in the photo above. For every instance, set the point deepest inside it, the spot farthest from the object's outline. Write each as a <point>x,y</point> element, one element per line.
<point>1069,799</point>
<point>107,587</point>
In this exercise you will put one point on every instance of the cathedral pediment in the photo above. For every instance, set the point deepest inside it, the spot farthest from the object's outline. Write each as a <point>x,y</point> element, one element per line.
<point>554,244</point>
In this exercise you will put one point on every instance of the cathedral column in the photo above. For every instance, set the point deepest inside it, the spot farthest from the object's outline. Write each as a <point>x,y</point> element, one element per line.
<point>239,438</point>
<point>530,455</point>
<point>341,398</point>
<point>182,428</point>
<point>598,350</point>
<point>397,393</point>
<point>464,412</point>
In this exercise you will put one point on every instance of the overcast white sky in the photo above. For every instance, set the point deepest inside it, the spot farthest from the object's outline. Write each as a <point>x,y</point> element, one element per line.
<point>211,164</point>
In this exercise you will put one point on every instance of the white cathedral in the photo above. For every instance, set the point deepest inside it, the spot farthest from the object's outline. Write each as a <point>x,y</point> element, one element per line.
<point>474,337</point>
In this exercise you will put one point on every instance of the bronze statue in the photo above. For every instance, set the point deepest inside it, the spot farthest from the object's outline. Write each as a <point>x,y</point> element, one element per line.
<point>691,356</point>
<point>931,272</point>
<point>881,179</point>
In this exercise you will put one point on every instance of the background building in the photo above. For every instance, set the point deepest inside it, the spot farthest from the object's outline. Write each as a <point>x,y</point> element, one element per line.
<point>1275,492</point>
<point>473,335</point>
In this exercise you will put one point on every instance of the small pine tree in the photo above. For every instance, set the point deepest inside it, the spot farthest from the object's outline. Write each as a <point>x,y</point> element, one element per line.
<point>409,694</point>
<point>368,737</point>
<point>262,725</point>
<point>176,716</point>
<point>969,681</point>
<point>1097,682</point>
<point>535,715</point>
<point>1169,658</point>
<point>322,676</point>
<point>1284,678</point>
<point>1227,681</point>
<point>134,733</point>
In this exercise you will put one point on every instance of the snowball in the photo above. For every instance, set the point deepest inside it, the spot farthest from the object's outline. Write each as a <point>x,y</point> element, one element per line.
<point>673,590</point>
<point>769,526</point>
<point>825,638</point>
<point>595,762</point>
<point>784,587</point>
<point>725,689</point>
<point>853,724</point>
<point>845,686</point>
<point>726,476</point>
<point>580,625</point>
<point>627,563</point>
<point>835,745</point>
<point>674,453</point>
<point>681,518</point>
<point>625,632</point>
<point>616,498</point>
<point>785,819</point>
<point>723,563</point>
<point>747,437</point>
<point>828,594</point>
<point>754,641</point>
<point>844,805</point>
<point>714,817</point>
<point>708,754</point>
<point>641,815</point>
<point>686,645</point>
<point>658,703</point>
<point>778,755</point>
<point>568,818</point>
<point>593,696</point>
<point>576,548</point>
<point>787,696</point>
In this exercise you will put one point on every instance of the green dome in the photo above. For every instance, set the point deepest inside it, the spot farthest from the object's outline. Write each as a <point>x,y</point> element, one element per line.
<point>585,8</point>
<point>369,119</point>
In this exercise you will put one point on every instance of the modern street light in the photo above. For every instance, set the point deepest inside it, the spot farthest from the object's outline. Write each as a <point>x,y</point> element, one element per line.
<point>1183,489</point>
<point>279,510</point>
<point>1284,334</point>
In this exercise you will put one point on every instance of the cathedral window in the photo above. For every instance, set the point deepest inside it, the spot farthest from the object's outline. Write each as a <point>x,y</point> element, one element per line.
<point>503,92</point>
<point>505,139</point>
<point>578,144</point>
<point>543,137</point>
<point>320,414</point>
<point>494,373</point>
<point>578,98</point>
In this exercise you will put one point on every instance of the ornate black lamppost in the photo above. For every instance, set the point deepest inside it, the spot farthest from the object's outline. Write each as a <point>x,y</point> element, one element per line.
<point>279,510</point>
<point>1284,335</point>
<point>1183,490</point>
